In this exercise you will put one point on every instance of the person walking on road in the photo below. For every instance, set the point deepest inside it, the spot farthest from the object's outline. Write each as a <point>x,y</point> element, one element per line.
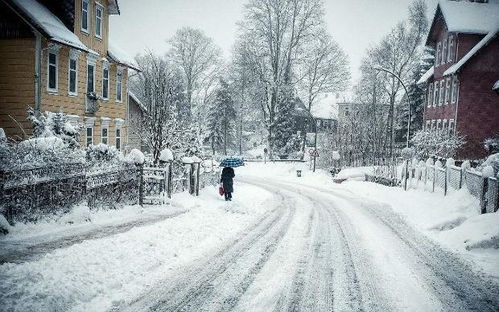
<point>227,182</point>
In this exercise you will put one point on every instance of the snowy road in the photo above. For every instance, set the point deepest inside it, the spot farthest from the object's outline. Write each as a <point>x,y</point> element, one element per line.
<point>323,250</point>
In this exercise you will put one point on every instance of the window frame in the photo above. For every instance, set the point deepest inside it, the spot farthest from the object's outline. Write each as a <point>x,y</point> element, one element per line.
<point>444,51</point>
<point>447,91</point>
<point>119,81</point>
<point>117,138</point>
<point>93,80</point>
<point>99,7</point>
<point>441,93</point>
<point>54,52</point>
<point>105,81</point>
<point>439,52</point>
<point>430,95</point>
<point>436,87</point>
<point>87,137</point>
<point>85,30</point>
<point>455,88</point>
<point>450,52</point>
<point>104,127</point>
<point>73,56</point>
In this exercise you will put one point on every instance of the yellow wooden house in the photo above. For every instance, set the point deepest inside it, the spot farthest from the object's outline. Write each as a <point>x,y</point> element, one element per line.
<point>56,55</point>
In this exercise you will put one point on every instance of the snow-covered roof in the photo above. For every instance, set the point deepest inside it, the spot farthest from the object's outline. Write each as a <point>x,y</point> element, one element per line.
<point>427,75</point>
<point>47,23</point>
<point>113,7</point>
<point>482,43</point>
<point>496,86</point>
<point>121,57</point>
<point>324,107</point>
<point>469,17</point>
<point>136,100</point>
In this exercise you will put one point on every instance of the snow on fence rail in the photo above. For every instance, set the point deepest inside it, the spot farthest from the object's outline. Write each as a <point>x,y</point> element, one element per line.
<point>444,179</point>
<point>30,194</point>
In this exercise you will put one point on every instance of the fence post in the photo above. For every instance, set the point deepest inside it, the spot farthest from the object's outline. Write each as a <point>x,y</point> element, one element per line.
<point>198,169</point>
<point>406,174</point>
<point>434,177</point>
<point>191,179</point>
<point>460,178</point>
<point>445,181</point>
<point>141,183</point>
<point>483,198</point>
<point>169,180</point>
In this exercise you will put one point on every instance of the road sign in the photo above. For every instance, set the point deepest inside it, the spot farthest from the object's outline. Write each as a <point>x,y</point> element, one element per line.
<point>313,153</point>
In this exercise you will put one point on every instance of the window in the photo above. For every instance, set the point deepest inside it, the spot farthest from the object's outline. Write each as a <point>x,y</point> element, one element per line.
<point>105,81</point>
<point>90,78</point>
<point>450,53</point>
<point>444,125</point>
<point>433,123</point>
<point>119,85</point>
<point>84,15</point>
<point>99,13</point>
<point>454,89</point>
<point>428,124</point>
<point>118,139</point>
<point>439,46</point>
<point>104,134</point>
<point>441,93</point>
<point>90,136</point>
<point>447,90</point>
<point>444,51</point>
<point>73,73</point>
<point>451,126</point>
<point>439,124</point>
<point>430,94</point>
<point>52,62</point>
<point>435,93</point>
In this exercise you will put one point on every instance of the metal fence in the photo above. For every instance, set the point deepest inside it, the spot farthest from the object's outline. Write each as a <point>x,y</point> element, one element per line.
<point>451,178</point>
<point>28,195</point>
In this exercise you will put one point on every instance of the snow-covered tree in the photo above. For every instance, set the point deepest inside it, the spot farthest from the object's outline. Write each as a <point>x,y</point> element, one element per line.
<point>286,140</point>
<point>197,57</point>
<point>221,119</point>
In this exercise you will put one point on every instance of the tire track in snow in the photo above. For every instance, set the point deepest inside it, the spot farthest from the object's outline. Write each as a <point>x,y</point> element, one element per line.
<point>217,284</point>
<point>16,252</point>
<point>454,282</point>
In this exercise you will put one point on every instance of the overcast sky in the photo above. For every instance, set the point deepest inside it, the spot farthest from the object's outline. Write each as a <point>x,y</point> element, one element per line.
<point>146,24</point>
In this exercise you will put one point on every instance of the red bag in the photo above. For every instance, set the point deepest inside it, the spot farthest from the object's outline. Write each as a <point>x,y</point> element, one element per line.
<point>221,191</point>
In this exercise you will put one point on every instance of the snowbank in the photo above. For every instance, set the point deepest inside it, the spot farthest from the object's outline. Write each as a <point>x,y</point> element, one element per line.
<point>453,221</point>
<point>357,173</point>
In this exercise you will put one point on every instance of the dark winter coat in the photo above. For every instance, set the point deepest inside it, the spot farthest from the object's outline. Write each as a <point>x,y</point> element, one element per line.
<point>226,180</point>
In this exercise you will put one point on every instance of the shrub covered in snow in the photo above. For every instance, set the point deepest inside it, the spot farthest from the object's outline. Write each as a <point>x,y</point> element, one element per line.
<point>102,153</point>
<point>166,155</point>
<point>136,157</point>
<point>436,143</point>
<point>493,162</point>
<point>492,145</point>
<point>51,124</point>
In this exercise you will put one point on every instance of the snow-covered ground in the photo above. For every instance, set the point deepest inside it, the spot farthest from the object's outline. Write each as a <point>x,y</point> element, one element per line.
<point>284,243</point>
<point>95,274</point>
<point>453,221</point>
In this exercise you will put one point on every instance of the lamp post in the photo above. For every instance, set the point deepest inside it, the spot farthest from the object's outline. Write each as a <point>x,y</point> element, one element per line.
<point>408,98</point>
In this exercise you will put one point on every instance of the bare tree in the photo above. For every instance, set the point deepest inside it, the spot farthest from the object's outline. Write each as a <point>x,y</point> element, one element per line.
<point>276,30</point>
<point>196,55</point>
<point>159,86</point>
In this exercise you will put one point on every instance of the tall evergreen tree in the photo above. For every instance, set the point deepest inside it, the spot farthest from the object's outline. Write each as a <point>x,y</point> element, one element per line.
<point>221,119</point>
<point>285,139</point>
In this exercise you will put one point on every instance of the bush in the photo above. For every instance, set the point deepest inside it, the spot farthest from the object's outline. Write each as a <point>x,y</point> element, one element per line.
<point>436,143</point>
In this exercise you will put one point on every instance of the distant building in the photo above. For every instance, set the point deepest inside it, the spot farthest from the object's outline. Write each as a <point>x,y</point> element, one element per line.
<point>460,86</point>
<point>56,55</point>
<point>136,111</point>
<point>305,120</point>
<point>348,111</point>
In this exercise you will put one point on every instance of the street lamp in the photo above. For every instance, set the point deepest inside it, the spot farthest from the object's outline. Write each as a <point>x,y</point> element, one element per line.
<point>379,68</point>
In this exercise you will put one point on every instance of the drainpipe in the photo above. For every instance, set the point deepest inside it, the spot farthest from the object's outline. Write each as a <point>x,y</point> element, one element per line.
<point>38,73</point>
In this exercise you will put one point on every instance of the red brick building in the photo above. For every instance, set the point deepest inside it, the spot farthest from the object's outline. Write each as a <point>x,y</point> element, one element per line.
<point>460,93</point>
